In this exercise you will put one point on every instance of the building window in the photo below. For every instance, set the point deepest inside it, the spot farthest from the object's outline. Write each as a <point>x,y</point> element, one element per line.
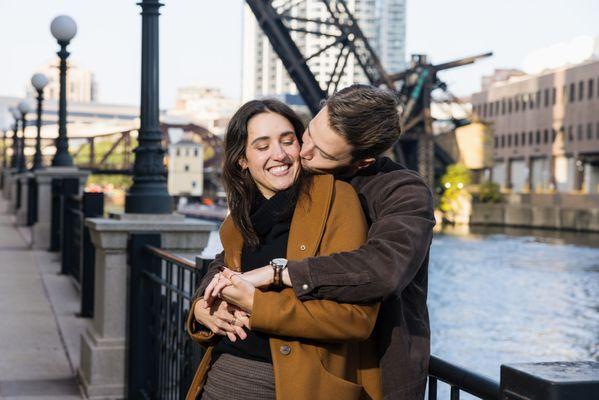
<point>590,91</point>
<point>545,136</point>
<point>570,135</point>
<point>193,184</point>
<point>579,133</point>
<point>553,95</point>
<point>186,168</point>
<point>589,131</point>
<point>524,101</point>
<point>491,104</point>
<point>502,142</point>
<point>509,106</point>
<point>516,104</point>
<point>178,152</point>
<point>531,103</point>
<point>597,131</point>
<point>485,110</point>
<point>553,135</point>
<point>496,140</point>
<point>580,90</point>
<point>530,138</point>
<point>509,140</point>
<point>516,136</point>
<point>195,152</point>
<point>546,98</point>
<point>538,99</point>
<point>572,97</point>
<point>538,137</point>
<point>502,106</point>
<point>523,138</point>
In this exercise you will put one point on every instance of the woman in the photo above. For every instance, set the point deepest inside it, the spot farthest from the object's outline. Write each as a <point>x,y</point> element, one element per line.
<point>293,350</point>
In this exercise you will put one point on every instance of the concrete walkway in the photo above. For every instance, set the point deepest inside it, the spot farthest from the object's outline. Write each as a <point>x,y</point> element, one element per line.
<point>39,329</point>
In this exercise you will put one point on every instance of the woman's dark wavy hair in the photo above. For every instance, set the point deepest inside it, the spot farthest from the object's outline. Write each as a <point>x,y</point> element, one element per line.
<point>239,184</point>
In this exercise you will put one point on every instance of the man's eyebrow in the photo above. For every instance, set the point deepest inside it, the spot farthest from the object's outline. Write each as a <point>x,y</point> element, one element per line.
<point>327,155</point>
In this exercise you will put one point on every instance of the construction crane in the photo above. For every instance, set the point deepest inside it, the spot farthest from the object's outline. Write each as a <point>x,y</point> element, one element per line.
<point>287,28</point>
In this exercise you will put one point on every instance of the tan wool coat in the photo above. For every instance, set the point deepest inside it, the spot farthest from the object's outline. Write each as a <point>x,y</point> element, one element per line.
<point>320,349</point>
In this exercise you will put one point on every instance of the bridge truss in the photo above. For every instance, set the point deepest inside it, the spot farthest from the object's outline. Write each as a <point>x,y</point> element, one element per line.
<point>340,37</point>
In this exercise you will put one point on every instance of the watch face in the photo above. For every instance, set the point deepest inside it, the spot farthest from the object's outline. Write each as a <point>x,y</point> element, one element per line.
<point>280,261</point>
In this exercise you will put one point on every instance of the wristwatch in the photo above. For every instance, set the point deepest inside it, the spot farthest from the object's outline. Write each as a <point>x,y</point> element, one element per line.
<point>278,265</point>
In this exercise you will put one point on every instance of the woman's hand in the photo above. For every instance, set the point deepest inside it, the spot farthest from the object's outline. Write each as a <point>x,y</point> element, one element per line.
<point>261,278</point>
<point>217,284</point>
<point>222,318</point>
<point>240,293</point>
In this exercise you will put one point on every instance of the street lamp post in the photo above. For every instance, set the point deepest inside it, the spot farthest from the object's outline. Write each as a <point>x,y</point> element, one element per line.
<point>39,81</point>
<point>14,161</point>
<point>63,29</point>
<point>148,194</point>
<point>24,108</point>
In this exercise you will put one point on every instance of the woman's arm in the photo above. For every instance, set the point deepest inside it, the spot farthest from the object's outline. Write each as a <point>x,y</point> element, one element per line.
<point>281,313</point>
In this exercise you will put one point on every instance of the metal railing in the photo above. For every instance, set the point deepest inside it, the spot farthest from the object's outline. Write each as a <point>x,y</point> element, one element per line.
<point>460,380</point>
<point>162,356</point>
<point>78,252</point>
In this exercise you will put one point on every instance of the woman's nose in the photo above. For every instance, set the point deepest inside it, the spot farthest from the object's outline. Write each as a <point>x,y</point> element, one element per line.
<point>278,153</point>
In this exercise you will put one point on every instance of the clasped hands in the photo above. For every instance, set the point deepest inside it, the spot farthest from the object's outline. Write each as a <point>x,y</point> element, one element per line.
<point>228,301</point>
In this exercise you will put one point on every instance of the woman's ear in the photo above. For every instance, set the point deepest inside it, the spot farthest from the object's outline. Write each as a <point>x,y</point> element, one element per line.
<point>243,164</point>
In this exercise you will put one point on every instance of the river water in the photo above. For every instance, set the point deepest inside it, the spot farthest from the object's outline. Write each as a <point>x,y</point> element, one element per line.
<point>506,296</point>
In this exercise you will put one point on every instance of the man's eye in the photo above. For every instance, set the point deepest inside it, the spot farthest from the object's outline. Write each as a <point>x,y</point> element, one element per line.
<point>288,142</point>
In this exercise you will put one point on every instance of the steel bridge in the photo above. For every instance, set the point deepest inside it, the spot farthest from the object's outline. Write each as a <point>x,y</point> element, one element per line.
<point>282,22</point>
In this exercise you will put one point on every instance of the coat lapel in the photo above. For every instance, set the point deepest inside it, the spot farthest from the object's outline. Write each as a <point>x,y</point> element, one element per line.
<point>307,225</point>
<point>309,218</point>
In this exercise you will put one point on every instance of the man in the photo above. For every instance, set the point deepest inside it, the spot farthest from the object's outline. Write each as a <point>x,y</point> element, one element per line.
<point>354,127</point>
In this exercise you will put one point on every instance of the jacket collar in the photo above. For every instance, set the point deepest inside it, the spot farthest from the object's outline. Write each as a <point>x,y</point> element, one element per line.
<point>307,225</point>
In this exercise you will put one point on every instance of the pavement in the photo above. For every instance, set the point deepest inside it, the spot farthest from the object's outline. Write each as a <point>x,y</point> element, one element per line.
<point>39,327</point>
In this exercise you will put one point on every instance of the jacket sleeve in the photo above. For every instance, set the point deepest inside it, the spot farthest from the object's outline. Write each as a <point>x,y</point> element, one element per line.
<point>282,313</point>
<point>399,238</point>
<point>196,330</point>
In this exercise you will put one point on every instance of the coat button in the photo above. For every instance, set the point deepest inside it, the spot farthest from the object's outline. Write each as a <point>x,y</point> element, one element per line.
<point>285,350</point>
<point>303,247</point>
<point>305,286</point>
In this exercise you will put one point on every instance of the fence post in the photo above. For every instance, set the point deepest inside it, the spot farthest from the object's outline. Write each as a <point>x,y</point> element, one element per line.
<point>92,206</point>
<point>55,215</point>
<point>142,357</point>
<point>32,201</point>
<point>70,186</point>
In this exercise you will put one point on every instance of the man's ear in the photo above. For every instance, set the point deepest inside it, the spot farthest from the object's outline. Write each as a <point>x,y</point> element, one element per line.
<point>367,162</point>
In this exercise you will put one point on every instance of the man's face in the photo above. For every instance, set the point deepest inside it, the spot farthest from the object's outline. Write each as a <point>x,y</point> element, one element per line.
<point>323,149</point>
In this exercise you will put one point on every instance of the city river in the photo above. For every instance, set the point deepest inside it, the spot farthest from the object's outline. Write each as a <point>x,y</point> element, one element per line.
<point>508,296</point>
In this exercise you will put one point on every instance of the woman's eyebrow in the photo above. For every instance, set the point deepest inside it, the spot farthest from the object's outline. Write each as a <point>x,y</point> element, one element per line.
<point>259,139</point>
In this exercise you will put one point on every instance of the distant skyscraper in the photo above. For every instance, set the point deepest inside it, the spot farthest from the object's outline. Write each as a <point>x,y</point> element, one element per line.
<point>81,84</point>
<point>381,21</point>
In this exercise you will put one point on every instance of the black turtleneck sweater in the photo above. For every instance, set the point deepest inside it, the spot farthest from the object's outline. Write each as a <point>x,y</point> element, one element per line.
<point>271,220</point>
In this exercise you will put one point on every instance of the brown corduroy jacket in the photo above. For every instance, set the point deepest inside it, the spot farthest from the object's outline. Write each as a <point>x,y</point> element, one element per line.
<point>321,349</point>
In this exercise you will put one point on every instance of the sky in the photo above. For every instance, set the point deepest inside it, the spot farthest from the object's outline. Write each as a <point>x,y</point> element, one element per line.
<point>200,40</point>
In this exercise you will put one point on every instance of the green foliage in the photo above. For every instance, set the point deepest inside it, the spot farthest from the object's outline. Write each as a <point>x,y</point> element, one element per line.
<point>488,192</point>
<point>454,183</point>
<point>101,147</point>
<point>121,182</point>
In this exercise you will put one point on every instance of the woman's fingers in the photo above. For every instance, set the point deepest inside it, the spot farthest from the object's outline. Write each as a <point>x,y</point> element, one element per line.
<point>210,288</point>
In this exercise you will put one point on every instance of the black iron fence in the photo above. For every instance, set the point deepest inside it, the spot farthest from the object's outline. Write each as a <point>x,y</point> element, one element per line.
<point>31,201</point>
<point>162,357</point>
<point>78,253</point>
<point>460,380</point>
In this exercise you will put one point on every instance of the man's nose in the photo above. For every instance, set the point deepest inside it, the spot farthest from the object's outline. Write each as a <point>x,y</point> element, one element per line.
<point>307,150</point>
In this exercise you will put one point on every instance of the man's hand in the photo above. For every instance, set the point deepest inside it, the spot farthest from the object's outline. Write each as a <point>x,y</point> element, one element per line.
<point>222,318</point>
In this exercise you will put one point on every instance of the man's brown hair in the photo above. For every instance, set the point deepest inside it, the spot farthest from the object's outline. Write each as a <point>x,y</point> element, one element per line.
<point>367,117</point>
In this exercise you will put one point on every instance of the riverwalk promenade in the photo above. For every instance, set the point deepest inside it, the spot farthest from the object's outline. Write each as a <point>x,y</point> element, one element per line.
<point>39,328</point>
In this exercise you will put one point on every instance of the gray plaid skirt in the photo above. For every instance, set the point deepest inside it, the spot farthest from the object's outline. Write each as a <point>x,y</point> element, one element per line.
<point>235,378</point>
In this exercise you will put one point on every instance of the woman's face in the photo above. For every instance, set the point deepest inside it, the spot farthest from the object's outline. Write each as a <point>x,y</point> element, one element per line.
<point>271,153</point>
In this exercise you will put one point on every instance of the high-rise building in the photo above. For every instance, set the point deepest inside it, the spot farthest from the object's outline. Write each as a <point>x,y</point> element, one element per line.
<point>381,21</point>
<point>81,84</point>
